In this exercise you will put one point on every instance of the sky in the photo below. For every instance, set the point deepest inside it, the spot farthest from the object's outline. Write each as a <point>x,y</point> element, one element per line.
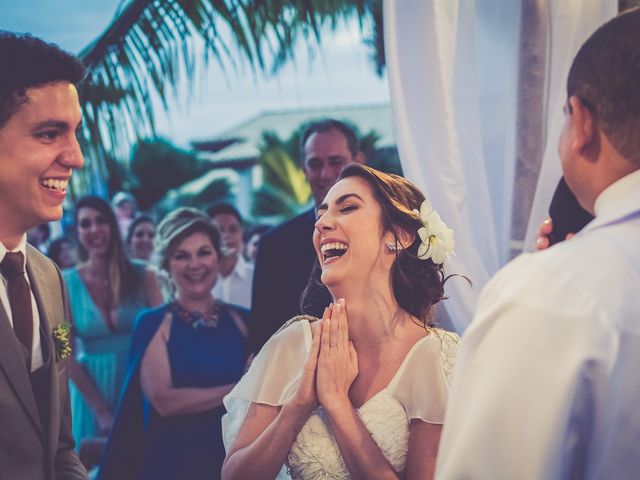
<point>339,74</point>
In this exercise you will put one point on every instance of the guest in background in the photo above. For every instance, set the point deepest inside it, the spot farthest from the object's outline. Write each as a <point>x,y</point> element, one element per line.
<point>125,208</point>
<point>106,292</point>
<point>235,278</point>
<point>185,356</point>
<point>38,236</point>
<point>286,252</point>
<point>253,237</point>
<point>140,237</point>
<point>63,251</point>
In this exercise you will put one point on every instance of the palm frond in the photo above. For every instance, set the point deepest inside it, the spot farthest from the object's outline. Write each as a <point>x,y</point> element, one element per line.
<point>152,49</point>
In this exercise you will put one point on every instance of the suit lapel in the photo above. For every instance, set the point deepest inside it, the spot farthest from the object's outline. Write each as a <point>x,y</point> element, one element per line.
<point>12,362</point>
<point>48,303</point>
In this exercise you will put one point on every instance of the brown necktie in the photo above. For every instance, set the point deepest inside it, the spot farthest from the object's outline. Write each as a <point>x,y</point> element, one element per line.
<point>19,293</point>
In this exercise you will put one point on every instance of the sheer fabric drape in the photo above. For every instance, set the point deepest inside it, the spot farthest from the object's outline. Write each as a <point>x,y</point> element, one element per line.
<point>454,71</point>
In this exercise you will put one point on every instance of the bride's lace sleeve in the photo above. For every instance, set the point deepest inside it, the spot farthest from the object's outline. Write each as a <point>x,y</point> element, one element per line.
<point>272,377</point>
<point>422,384</point>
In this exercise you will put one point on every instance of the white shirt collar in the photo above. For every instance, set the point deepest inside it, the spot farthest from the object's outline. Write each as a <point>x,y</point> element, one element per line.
<point>618,200</point>
<point>22,247</point>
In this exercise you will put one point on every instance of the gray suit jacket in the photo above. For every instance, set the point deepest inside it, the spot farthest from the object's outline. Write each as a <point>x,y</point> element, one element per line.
<point>29,449</point>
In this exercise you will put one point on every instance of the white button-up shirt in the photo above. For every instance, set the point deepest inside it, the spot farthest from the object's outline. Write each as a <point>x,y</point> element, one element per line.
<point>546,384</point>
<point>235,288</point>
<point>36,351</point>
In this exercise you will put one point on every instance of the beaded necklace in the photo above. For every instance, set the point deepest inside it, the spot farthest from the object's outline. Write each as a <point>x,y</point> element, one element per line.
<point>196,319</point>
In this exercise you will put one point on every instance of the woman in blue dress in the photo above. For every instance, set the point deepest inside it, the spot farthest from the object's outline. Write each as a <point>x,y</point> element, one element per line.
<point>186,356</point>
<point>106,293</point>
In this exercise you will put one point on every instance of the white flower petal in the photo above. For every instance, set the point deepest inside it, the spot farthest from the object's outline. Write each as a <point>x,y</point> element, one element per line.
<point>438,255</point>
<point>423,251</point>
<point>423,233</point>
<point>425,210</point>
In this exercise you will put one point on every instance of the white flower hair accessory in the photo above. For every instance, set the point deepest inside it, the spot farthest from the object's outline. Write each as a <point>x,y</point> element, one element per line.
<point>437,239</point>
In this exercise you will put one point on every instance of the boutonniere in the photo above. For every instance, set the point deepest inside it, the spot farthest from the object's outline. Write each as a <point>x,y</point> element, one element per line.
<point>62,341</point>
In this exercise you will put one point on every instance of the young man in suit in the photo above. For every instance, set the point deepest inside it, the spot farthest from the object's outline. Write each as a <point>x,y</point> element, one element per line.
<point>546,382</point>
<point>285,253</point>
<point>39,116</point>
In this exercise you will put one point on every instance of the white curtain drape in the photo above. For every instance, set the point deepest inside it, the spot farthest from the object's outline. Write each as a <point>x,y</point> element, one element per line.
<point>453,75</point>
<point>572,23</point>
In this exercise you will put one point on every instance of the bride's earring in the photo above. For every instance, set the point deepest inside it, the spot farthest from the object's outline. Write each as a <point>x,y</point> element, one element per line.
<point>394,246</point>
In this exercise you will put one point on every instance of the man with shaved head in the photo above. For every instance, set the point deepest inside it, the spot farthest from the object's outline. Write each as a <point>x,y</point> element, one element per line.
<point>546,384</point>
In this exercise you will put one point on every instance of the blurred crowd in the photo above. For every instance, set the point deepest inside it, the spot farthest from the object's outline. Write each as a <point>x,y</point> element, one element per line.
<point>115,277</point>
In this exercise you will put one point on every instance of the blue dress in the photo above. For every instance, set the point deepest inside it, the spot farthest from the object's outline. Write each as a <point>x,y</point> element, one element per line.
<point>104,352</point>
<point>145,445</point>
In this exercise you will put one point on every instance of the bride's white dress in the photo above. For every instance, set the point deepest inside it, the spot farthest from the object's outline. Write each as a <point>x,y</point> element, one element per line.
<point>418,390</point>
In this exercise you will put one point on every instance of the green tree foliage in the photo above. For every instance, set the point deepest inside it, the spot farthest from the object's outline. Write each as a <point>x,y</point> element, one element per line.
<point>285,191</point>
<point>217,191</point>
<point>158,167</point>
<point>385,159</point>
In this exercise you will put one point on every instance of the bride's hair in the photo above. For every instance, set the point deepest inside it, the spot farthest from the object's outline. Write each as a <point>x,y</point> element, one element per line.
<point>417,284</point>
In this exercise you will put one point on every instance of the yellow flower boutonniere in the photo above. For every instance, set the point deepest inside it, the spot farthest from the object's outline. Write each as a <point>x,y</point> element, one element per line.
<point>61,339</point>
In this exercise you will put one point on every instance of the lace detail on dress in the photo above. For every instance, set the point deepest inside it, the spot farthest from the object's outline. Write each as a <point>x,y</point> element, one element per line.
<point>315,454</point>
<point>449,342</point>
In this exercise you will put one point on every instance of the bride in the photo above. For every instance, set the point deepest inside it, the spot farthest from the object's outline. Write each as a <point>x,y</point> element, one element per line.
<point>361,392</point>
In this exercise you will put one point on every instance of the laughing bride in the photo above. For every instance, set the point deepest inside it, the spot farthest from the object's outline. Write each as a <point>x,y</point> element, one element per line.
<point>361,392</point>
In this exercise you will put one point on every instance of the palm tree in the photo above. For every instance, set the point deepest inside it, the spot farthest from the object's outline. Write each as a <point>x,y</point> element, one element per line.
<point>285,191</point>
<point>149,50</point>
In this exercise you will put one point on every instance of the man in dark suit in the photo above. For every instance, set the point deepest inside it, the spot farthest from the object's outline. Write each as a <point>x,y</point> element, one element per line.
<point>39,115</point>
<point>285,253</point>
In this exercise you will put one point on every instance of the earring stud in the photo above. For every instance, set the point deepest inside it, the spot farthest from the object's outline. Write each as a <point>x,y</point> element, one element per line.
<point>394,246</point>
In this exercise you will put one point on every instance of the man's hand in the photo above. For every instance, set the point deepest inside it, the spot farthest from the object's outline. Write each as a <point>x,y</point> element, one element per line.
<point>543,241</point>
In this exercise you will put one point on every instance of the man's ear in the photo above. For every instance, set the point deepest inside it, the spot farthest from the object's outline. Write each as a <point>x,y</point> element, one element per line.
<point>359,158</point>
<point>584,127</point>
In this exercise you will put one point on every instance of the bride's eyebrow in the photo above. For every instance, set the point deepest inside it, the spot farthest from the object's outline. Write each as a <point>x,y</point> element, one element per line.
<point>343,198</point>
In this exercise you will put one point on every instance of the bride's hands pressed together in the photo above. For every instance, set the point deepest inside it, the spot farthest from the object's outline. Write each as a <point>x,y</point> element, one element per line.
<point>305,397</point>
<point>337,362</point>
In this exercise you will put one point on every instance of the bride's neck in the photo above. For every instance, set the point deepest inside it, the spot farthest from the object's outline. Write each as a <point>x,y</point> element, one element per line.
<point>371,318</point>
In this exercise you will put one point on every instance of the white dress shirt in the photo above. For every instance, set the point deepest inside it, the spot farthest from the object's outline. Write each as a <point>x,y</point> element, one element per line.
<point>235,288</point>
<point>546,384</point>
<point>36,350</point>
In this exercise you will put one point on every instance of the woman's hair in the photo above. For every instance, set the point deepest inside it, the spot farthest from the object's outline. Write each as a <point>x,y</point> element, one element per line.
<point>417,284</point>
<point>178,225</point>
<point>124,279</point>
<point>142,218</point>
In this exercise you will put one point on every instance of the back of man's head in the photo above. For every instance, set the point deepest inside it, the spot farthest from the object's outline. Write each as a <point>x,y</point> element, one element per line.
<point>27,62</point>
<point>605,76</point>
<point>326,125</point>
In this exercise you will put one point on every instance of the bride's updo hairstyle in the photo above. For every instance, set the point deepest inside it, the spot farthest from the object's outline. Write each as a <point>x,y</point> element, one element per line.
<point>417,284</point>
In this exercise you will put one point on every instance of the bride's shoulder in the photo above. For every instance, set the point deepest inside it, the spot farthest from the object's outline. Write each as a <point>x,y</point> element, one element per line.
<point>438,348</point>
<point>296,330</point>
<point>448,340</point>
<point>299,321</point>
